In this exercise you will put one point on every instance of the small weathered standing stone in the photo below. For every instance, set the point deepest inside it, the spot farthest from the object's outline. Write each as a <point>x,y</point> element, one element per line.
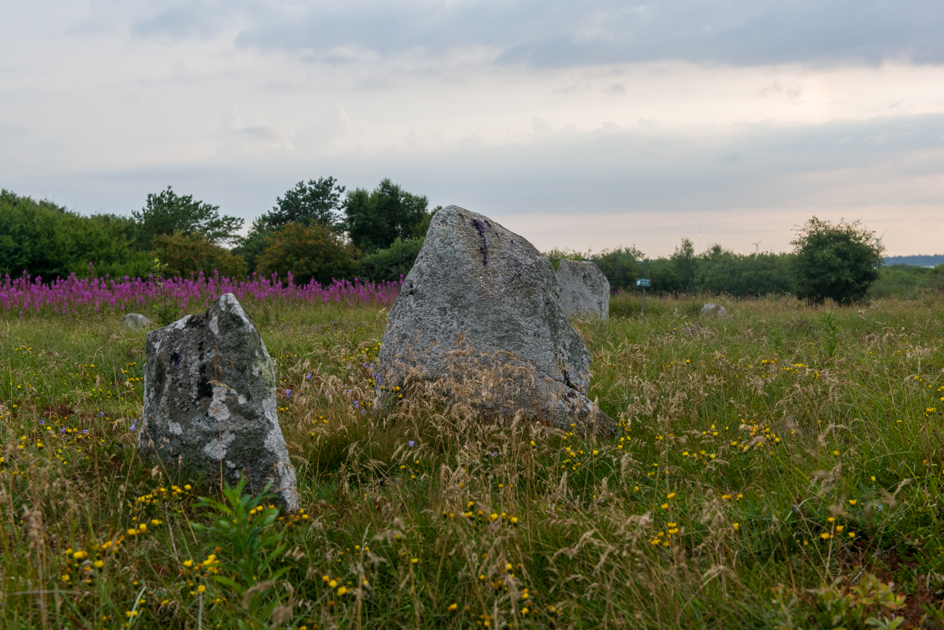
<point>584,289</point>
<point>479,314</point>
<point>209,400</point>
<point>715,310</point>
<point>136,321</point>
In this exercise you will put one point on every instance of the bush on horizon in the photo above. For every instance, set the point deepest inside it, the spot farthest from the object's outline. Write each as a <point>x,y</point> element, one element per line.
<point>187,255</point>
<point>308,252</point>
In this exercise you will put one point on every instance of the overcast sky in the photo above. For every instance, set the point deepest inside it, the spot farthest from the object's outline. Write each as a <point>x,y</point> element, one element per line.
<point>583,125</point>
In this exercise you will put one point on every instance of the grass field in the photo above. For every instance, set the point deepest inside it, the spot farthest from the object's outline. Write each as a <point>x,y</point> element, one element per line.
<point>779,468</point>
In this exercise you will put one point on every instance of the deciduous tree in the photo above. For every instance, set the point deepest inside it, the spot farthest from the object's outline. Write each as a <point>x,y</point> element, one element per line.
<point>317,201</point>
<point>838,262</point>
<point>310,252</point>
<point>190,254</point>
<point>374,220</point>
<point>167,213</point>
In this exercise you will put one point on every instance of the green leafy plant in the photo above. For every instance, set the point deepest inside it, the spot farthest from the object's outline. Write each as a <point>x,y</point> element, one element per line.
<point>167,310</point>
<point>864,605</point>
<point>831,328</point>
<point>247,548</point>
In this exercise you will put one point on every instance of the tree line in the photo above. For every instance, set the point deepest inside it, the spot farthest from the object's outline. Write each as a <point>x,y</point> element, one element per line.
<point>315,231</point>
<point>318,230</point>
<point>842,262</point>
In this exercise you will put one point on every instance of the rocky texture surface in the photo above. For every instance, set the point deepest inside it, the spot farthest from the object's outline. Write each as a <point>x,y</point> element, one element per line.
<point>136,321</point>
<point>209,401</point>
<point>584,289</point>
<point>479,314</point>
<point>713,310</point>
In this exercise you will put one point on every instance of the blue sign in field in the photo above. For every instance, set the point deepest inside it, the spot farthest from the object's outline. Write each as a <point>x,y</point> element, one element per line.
<point>643,282</point>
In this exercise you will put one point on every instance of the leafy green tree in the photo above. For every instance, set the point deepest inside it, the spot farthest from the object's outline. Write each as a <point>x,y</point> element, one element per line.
<point>32,237</point>
<point>317,201</point>
<point>374,220</point>
<point>184,255</point>
<point>310,252</point>
<point>49,241</point>
<point>907,281</point>
<point>660,273</point>
<point>684,265</point>
<point>390,263</point>
<point>167,212</point>
<point>837,262</point>
<point>252,246</point>
<point>620,266</point>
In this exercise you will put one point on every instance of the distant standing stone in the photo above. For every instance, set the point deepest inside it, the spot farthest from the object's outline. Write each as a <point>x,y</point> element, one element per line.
<point>479,314</point>
<point>209,399</point>
<point>136,321</point>
<point>584,289</point>
<point>715,310</point>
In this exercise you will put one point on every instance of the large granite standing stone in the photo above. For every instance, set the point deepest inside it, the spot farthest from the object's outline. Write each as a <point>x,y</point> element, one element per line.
<point>209,400</point>
<point>479,314</point>
<point>584,289</point>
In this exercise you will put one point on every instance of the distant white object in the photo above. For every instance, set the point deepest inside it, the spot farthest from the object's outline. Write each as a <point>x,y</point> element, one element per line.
<point>584,289</point>
<point>715,310</point>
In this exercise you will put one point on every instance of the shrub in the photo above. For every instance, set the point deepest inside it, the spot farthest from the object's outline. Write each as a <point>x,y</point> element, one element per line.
<point>190,254</point>
<point>49,241</point>
<point>390,263</point>
<point>557,254</point>
<point>309,252</point>
<point>620,266</point>
<point>838,262</point>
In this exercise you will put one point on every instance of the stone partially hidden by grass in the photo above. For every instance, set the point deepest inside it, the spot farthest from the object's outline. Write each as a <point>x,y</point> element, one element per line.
<point>777,468</point>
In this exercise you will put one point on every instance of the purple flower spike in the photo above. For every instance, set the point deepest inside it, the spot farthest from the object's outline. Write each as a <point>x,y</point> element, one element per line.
<point>288,393</point>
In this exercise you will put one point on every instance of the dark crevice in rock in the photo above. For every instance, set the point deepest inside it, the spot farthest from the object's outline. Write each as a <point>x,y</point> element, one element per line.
<point>480,226</point>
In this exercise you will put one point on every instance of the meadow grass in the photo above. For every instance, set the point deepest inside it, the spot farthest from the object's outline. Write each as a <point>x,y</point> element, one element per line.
<point>780,468</point>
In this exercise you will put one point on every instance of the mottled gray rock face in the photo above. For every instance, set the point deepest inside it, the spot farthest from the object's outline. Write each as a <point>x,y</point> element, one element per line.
<point>713,310</point>
<point>584,289</point>
<point>135,321</point>
<point>209,399</point>
<point>480,311</point>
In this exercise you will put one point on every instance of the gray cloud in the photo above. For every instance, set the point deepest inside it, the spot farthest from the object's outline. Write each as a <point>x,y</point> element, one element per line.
<point>183,20</point>
<point>596,172</point>
<point>761,175</point>
<point>564,33</point>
